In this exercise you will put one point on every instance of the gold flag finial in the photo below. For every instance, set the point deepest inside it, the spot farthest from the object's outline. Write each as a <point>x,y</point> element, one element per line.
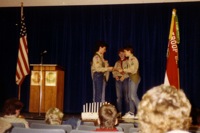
<point>174,11</point>
<point>172,23</point>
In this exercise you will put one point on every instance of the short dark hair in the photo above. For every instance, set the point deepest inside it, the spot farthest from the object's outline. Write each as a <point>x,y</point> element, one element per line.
<point>128,48</point>
<point>101,44</point>
<point>11,105</point>
<point>107,116</point>
<point>120,50</point>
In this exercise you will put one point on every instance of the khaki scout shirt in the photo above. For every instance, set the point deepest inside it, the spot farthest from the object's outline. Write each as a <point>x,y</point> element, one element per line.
<point>132,70</point>
<point>120,64</point>
<point>99,65</point>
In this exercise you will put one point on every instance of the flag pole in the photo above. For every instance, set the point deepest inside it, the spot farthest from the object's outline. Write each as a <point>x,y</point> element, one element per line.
<point>178,80</point>
<point>19,92</point>
<point>178,35</point>
<point>178,41</point>
<point>21,9</point>
<point>19,86</point>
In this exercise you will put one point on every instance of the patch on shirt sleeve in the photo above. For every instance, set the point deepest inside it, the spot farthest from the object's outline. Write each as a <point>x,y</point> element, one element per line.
<point>97,60</point>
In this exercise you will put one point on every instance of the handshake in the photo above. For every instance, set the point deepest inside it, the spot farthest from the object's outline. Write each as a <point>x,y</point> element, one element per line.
<point>110,69</point>
<point>118,69</point>
<point>107,65</point>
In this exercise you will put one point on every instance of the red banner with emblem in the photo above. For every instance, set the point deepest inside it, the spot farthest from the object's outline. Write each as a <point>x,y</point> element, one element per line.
<point>172,70</point>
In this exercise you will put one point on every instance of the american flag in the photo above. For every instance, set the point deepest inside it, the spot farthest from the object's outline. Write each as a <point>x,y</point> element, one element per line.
<point>22,61</point>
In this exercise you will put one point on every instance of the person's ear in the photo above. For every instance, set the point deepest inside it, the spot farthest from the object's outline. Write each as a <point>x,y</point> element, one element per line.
<point>98,121</point>
<point>116,121</point>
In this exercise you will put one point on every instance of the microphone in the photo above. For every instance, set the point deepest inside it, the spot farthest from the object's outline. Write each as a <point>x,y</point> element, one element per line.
<point>44,52</point>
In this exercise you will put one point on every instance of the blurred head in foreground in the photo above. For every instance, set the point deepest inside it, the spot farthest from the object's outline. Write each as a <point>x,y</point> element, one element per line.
<point>108,116</point>
<point>54,116</point>
<point>164,108</point>
<point>12,106</point>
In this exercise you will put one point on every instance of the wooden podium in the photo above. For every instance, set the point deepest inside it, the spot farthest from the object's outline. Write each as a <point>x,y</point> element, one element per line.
<point>47,87</point>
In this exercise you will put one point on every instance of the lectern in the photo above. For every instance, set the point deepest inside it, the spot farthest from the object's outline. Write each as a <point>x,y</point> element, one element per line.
<point>47,87</point>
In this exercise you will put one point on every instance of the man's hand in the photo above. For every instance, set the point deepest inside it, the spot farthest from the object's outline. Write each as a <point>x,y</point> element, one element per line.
<point>110,69</point>
<point>117,78</point>
<point>120,70</point>
<point>122,78</point>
